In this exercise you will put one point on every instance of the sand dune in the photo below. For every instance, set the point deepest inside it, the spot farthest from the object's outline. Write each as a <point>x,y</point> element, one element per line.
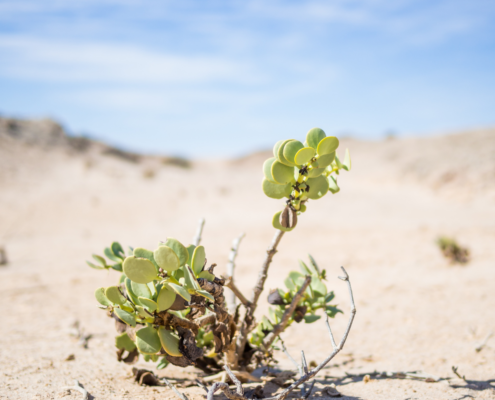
<point>62,199</point>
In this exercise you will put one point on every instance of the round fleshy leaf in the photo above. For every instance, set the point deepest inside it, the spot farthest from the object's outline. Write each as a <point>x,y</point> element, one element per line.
<point>126,317</point>
<point>165,299</point>
<point>148,303</point>
<point>139,270</point>
<point>198,259</point>
<point>280,154</point>
<point>147,341</point>
<point>123,341</point>
<point>276,223</point>
<point>277,147</point>
<point>141,290</point>
<point>130,292</point>
<point>276,191</point>
<point>206,275</point>
<point>281,173</point>
<point>113,294</point>
<point>267,168</point>
<point>190,250</point>
<point>139,252</point>
<point>291,149</point>
<point>182,292</point>
<point>318,187</point>
<point>170,342</point>
<point>101,298</point>
<point>326,159</point>
<point>315,172</point>
<point>166,259</point>
<point>304,155</point>
<point>314,137</point>
<point>179,249</point>
<point>328,145</point>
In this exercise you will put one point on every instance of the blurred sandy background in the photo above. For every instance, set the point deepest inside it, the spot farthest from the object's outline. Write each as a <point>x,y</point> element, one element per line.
<point>62,199</point>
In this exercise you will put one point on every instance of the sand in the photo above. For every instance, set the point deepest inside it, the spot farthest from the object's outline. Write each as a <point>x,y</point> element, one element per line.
<point>415,311</point>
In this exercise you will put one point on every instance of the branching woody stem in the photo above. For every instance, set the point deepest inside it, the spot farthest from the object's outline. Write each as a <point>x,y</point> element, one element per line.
<point>229,283</point>
<point>248,319</point>
<point>280,327</point>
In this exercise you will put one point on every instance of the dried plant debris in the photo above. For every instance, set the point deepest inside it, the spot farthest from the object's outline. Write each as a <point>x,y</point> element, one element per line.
<point>454,252</point>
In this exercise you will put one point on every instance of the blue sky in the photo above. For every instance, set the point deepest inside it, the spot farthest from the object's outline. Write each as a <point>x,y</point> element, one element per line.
<point>224,78</point>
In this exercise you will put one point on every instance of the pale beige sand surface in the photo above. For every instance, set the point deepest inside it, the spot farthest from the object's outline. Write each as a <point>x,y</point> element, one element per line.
<point>415,312</point>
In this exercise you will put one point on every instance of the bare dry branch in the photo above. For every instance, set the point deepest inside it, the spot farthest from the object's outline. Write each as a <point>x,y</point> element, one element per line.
<point>248,318</point>
<point>199,232</point>
<point>280,327</point>
<point>303,362</point>
<point>224,387</point>
<point>236,381</point>
<point>330,332</point>
<point>230,295</point>
<point>171,386</point>
<point>284,349</point>
<point>79,388</point>
<point>454,370</point>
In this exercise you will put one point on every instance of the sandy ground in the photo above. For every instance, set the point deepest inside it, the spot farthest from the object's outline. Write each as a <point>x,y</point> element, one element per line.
<point>415,311</point>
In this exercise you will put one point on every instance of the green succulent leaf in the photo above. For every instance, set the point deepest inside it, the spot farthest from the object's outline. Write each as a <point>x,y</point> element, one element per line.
<point>182,292</point>
<point>191,283</point>
<point>123,341</point>
<point>318,187</point>
<point>329,297</point>
<point>291,149</point>
<point>139,252</point>
<point>314,137</point>
<point>166,258</point>
<point>332,185</point>
<point>162,364</point>
<point>94,266</point>
<point>117,267</point>
<point>198,259</point>
<point>141,290</point>
<point>282,174</point>
<point>101,298</point>
<point>280,154</point>
<point>130,292</point>
<point>114,295</point>
<point>148,303</point>
<point>179,249</point>
<point>206,275</point>
<point>204,293</point>
<point>190,250</point>
<point>126,317</point>
<point>315,172</point>
<point>332,311</point>
<point>117,250</point>
<point>165,299</point>
<point>276,191</point>
<point>309,319</point>
<point>267,169</point>
<point>347,160</point>
<point>100,260</point>
<point>304,155</point>
<point>140,270</point>
<point>147,341</point>
<point>318,286</point>
<point>326,159</point>
<point>277,147</point>
<point>314,265</point>
<point>328,145</point>
<point>109,253</point>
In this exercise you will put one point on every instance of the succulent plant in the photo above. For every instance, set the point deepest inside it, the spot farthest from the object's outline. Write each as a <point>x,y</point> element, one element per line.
<point>169,307</point>
<point>300,172</point>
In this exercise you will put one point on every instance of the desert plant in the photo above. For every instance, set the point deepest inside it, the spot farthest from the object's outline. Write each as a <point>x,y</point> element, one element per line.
<point>452,250</point>
<point>169,306</point>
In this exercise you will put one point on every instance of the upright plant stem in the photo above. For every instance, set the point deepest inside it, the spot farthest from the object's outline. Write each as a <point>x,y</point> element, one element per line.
<point>246,325</point>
